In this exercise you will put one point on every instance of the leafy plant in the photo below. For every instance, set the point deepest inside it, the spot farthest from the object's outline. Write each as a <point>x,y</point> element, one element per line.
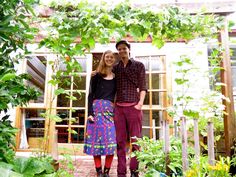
<point>14,32</point>
<point>204,169</point>
<point>28,167</point>
<point>152,158</point>
<point>184,81</point>
<point>7,140</point>
<point>92,22</point>
<point>67,166</point>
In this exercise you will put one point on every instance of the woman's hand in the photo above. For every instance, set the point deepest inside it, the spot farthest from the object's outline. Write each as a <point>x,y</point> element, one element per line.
<point>91,118</point>
<point>93,73</point>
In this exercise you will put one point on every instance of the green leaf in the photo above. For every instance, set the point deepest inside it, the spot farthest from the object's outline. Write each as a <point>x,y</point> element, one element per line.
<point>20,164</point>
<point>59,91</point>
<point>7,77</point>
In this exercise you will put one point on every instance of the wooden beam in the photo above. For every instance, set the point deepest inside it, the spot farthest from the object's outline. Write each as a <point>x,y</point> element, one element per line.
<point>150,96</point>
<point>18,123</point>
<point>226,77</point>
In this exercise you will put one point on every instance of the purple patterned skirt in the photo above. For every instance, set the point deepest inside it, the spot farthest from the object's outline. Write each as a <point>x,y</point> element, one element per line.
<point>100,138</point>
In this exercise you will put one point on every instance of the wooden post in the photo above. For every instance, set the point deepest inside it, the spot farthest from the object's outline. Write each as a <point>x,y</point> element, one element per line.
<point>167,137</point>
<point>184,144</point>
<point>196,140</point>
<point>210,143</point>
<point>167,146</point>
<point>154,129</point>
<point>175,129</point>
<point>55,146</point>
<point>226,77</point>
<point>18,124</point>
<point>162,130</point>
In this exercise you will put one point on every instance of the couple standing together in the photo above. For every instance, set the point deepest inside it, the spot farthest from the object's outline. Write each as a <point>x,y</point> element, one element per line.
<point>110,125</point>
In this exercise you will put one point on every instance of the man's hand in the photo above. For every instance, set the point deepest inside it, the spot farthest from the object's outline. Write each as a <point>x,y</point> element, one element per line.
<point>139,105</point>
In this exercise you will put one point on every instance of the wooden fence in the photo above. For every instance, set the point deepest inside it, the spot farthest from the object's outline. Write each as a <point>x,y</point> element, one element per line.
<point>184,135</point>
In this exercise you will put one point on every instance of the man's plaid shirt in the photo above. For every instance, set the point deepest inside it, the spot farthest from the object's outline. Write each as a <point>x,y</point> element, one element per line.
<point>130,81</point>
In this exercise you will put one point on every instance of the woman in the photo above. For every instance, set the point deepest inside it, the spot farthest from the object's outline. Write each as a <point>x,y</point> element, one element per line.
<point>100,132</point>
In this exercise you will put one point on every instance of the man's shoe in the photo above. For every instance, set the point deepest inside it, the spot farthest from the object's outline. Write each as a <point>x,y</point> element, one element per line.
<point>134,173</point>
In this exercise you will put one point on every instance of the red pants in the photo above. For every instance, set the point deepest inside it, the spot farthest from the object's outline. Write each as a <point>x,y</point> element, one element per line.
<point>128,123</point>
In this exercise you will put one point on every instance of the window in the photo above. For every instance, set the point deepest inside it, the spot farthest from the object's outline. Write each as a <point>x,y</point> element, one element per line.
<point>73,111</point>
<point>155,101</point>
<point>36,68</point>
<point>32,123</point>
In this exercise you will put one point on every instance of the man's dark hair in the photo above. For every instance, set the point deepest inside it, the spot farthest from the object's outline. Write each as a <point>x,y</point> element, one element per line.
<point>123,42</point>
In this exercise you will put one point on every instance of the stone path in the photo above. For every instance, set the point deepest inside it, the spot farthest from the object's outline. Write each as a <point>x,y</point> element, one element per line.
<point>85,167</point>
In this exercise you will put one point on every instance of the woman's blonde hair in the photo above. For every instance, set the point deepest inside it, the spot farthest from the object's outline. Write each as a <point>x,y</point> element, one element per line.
<point>102,68</point>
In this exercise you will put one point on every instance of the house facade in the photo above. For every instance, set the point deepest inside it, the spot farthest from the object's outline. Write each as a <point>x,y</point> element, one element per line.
<point>160,75</point>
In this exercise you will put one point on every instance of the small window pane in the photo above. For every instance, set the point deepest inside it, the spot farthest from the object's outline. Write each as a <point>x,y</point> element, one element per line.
<point>146,118</point>
<point>155,98</point>
<point>80,102</point>
<point>156,81</point>
<point>79,83</point>
<point>156,64</point>
<point>62,134</point>
<point>64,115</point>
<point>79,137</point>
<point>63,100</point>
<point>82,62</point>
<point>36,68</point>
<point>78,117</point>
<point>34,124</point>
<point>146,132</point>
<point>65,82</point>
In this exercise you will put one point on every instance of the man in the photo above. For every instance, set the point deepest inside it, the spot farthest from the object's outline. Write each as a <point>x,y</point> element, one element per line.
<point>131,91</point>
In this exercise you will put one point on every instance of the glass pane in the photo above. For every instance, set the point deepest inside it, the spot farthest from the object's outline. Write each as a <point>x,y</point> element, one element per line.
<point>156,64</point>
<point>156,115</point>
<point>63,100</point>
<point>156,81</point>
<point>36,68</point>
<point>64,115</point>
<point>79,137</point>
<point>96,60</point>
<point>34,125</point>
<point>146,118</point>
<point>79,117</point>
<point>145,61</point>
<point>62,134</point>
<point>62,65</point>
<point>146,132</point>
<point>82,62</point>
<point>155,98</point>
<point>79,83</point>
<point>65,82</point>
<point>80,102</point>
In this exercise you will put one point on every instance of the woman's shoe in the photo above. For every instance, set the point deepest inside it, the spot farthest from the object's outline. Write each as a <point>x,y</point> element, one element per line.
<point>106,172</point>
<point>99,172</point>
